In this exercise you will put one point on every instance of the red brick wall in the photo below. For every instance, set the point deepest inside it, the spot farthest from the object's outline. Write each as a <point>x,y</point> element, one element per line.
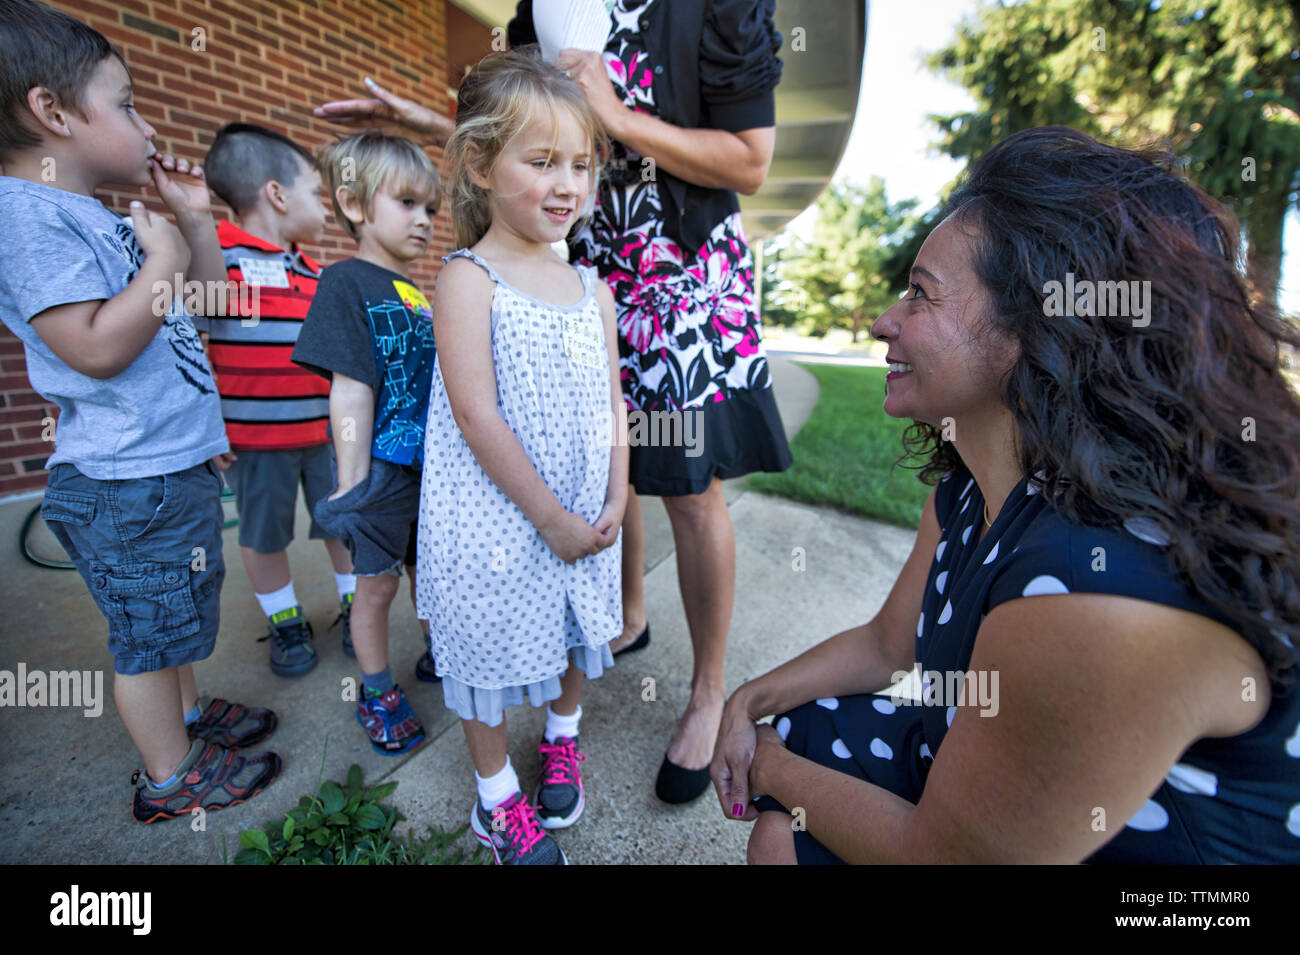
<point>266,62</point>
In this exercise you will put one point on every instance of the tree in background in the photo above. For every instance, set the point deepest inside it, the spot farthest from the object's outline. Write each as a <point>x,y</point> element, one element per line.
<point>1217,80</point>
<point>837,278</point>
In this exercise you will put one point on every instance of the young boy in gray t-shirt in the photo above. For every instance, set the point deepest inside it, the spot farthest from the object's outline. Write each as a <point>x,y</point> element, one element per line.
<point>134,491</point>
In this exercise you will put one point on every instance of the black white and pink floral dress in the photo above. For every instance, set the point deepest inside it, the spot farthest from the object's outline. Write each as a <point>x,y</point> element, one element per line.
<point>689,331</point>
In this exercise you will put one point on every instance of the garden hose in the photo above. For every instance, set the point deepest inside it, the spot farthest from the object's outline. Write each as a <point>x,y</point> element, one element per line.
<point>25,545</point>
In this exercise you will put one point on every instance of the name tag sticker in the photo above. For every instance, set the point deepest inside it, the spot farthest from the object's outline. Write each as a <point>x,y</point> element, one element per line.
<point>264,272</point>
<point>584,341</point>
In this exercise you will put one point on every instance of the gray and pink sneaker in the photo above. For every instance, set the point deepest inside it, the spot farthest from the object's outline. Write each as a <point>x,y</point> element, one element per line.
<point>511,832</point>
<point>559,795</point>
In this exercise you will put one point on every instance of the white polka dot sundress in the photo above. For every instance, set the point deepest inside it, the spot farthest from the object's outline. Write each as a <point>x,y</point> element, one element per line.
<point>506,615</point>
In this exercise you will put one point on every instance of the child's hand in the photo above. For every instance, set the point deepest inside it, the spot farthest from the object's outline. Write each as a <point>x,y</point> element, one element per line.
<point>572,538</point>
<point>609,520</point>
<point>181,186</point>
<point>159,238</point>
<point>223,461</point>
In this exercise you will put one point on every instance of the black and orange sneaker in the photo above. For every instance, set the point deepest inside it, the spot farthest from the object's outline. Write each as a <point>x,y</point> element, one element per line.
<point>210,777</point>
<point>232,725</point>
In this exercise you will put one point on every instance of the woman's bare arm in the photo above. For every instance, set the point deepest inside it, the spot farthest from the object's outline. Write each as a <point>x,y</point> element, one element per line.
<point>1097,697</point>
<point>705,157</point>
<point>861,660</point>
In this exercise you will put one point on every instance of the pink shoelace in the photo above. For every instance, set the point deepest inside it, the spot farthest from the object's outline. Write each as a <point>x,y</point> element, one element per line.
<point>561,762</point>
<point>518,821</point>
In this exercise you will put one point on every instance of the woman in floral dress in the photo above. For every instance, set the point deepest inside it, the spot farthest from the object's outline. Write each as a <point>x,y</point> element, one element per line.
<point>688,102</point>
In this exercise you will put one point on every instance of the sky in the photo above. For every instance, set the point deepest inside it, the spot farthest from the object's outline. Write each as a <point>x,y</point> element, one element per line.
<point>891,135</point>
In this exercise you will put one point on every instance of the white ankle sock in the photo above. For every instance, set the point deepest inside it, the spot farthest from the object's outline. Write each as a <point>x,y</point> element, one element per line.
<point>281,599</point>
<point>346,583</point>
<point>557,725</point>
<point>497,788</point>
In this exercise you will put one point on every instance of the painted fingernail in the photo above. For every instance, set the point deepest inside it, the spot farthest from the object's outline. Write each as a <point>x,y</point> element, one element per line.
<point>737,809</point>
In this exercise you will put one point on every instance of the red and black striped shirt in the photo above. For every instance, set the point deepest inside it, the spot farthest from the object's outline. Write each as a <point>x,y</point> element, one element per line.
<point>269,403</point>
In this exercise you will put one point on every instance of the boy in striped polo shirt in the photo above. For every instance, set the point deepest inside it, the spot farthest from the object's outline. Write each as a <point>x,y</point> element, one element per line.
<point>276,413</point>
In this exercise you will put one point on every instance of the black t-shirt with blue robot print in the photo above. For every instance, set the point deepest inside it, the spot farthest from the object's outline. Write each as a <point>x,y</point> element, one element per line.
<point>373,325</point>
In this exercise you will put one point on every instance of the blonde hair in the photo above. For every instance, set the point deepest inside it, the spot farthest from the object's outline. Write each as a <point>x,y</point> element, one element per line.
<point>364,162</point>
<point>497,98</point>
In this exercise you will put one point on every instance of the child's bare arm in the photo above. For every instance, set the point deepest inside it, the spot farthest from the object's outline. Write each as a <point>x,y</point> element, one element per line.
<point>206,263</point>
<point>101,338</point>
<point>462,312</point>
<point>352,420</point>
<point>611,515</point>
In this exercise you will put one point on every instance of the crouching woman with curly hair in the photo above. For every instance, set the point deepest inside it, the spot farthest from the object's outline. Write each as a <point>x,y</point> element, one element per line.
<point>1104,594</point>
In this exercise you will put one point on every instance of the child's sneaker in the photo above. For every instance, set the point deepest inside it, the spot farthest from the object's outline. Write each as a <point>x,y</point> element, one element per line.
<point>232,725</point>
<point>391,725</point>
<point>511,831</point>
<point>559,794</point>
<point>292,653</point>
<point>345,618</point>
<point>210,777</point>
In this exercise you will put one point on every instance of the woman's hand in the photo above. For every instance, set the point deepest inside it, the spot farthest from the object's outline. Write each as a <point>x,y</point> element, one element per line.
<point>587,68</point>
<point>733,755</point>
<point>388,109</point>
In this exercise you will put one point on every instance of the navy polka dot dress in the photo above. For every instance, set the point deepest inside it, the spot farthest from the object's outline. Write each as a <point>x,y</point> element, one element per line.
<point>506,615</point>
<point>1226,801</point>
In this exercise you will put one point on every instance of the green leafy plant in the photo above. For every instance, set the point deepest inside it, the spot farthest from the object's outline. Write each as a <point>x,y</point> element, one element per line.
<point>348,824</point>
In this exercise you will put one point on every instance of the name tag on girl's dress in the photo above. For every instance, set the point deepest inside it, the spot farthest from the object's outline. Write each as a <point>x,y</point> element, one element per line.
<point>584,341</point>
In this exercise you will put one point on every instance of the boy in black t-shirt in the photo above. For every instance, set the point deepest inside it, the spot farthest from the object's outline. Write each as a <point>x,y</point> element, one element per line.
<point>370,331</point>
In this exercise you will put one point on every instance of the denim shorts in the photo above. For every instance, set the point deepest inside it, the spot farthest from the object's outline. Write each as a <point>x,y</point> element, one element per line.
<point>375,518</point>
<point>266,493</point>
<point>149,549</point>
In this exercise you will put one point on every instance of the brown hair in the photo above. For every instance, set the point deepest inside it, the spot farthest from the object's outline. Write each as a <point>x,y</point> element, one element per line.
<point>41,46</point>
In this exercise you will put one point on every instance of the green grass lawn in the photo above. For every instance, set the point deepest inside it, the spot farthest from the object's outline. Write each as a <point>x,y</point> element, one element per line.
<point>844,454</point>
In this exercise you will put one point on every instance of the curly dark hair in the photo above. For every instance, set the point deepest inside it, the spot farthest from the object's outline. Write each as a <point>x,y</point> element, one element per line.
<point>1186,421</point>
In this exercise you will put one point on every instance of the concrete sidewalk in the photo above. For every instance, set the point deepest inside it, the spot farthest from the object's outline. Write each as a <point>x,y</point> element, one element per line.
<point>65,793</point>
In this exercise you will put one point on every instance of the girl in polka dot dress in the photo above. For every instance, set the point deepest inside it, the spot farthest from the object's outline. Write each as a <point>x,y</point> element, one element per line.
<point>524,482</point>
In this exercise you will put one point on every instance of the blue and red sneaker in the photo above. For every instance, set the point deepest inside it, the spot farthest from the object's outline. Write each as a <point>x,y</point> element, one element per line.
<point>390,723</point>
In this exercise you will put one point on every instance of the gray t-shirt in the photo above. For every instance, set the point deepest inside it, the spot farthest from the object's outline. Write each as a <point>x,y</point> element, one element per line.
<point>160,414</point>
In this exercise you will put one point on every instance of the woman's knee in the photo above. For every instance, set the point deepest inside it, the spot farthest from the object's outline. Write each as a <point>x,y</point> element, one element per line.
<point>772,840</point>
<point>697,508</point>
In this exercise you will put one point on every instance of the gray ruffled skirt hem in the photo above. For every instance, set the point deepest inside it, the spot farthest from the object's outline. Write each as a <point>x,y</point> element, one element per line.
<point>488,706</point>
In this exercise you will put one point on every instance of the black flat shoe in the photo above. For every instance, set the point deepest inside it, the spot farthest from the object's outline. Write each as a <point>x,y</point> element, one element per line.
<point>640,643</point>
<point>676,785</point>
